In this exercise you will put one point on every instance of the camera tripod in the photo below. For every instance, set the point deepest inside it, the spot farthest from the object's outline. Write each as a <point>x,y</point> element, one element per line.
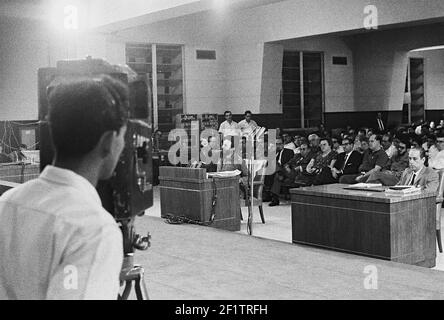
<point>134,272</point>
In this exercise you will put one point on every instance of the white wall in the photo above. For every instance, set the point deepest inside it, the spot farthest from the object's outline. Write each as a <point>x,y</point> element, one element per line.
<point>338,79</point>
<point>433,78</point>
<point>271,84</point>
<point>22,53</point>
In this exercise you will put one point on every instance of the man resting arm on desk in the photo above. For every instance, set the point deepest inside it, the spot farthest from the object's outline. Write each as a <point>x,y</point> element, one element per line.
<point>417,174</point>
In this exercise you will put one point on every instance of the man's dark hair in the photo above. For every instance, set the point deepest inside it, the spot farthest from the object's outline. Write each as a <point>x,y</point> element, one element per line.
<point>82,110</point>
<point>225,113</point>
<point>378,137</point>
<point>440,134</point>
<point>348,139</point>
<point>248,112</point>
<point>389,136</point>
<point>407,143</point>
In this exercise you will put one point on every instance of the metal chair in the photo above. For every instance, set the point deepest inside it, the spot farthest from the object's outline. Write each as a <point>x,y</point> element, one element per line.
<point>439,201</point>
<point>258,185</point>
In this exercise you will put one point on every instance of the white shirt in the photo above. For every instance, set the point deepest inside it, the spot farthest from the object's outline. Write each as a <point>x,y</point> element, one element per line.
<point>436,158</point>
<point>291,146</point>
<point>57,241</point>
<point>228,129</point>
<point>247,127</point>
<point>391,151</point>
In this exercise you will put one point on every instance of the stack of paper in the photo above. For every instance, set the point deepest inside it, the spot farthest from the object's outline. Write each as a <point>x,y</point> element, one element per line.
<point>224,174</point>
<point>401,190</point>
<point>367,185</point>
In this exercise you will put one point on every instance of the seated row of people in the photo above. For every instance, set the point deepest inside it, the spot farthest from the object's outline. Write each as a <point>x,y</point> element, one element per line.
<point>318,164</point>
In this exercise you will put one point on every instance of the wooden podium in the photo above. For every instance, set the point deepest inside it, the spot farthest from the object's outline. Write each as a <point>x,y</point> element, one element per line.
<point>188,193</point>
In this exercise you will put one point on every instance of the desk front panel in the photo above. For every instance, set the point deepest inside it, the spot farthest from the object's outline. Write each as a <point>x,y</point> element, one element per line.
<point>402,231</point>
<point>193,199</point>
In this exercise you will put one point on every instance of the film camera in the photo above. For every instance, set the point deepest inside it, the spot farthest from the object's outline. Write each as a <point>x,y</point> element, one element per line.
<point>130,191</point>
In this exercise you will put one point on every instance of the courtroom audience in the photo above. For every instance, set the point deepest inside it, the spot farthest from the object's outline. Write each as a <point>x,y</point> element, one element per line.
<point>283,156</point>
<point>387,145</point>
<point>398,163</point>
<point>347,163</point>
<point>337,144</point>
<point>374,160</point>
<point>288,142</point>
<point>319,166</point>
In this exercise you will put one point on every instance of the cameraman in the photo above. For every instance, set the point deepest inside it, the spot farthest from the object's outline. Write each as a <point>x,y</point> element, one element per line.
<point>56,240</point>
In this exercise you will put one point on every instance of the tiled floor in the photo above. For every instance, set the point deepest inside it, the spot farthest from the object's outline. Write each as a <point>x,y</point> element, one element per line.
<point>277,223</point>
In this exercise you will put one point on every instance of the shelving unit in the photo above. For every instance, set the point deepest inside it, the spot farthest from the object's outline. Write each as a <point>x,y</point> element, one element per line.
<point>166,66</point>
<point>414,102</point>
<point>302,72</point>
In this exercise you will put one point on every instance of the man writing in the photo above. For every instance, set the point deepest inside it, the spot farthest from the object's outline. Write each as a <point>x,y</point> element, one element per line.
<point>73,247</point>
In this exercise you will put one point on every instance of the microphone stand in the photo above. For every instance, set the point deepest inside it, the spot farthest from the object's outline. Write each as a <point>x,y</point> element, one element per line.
<point>252,137</point>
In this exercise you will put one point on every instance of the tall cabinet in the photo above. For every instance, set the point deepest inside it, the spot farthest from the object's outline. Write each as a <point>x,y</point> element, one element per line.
<point>162,64</point>
<point>414,101</point>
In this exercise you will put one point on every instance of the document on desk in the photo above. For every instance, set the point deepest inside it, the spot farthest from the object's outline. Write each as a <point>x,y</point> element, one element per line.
<point>402,190</point>
<point>223,174</point>
<point>366,187</point>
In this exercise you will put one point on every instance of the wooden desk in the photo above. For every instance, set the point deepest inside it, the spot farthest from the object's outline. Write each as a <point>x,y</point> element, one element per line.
<point>396,228</point>
<point>186,192</point>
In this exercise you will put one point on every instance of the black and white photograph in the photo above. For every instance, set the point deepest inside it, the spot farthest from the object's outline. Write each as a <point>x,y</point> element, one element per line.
<point>224,156</point>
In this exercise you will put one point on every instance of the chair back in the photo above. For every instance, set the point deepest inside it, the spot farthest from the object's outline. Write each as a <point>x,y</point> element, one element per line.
<point>260,167</point>
<point>439,198</point>
<point>440,195</point>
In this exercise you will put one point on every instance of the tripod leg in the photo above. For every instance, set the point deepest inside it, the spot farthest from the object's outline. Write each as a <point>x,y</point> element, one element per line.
<point>127,290</point>
<point>141,291</point>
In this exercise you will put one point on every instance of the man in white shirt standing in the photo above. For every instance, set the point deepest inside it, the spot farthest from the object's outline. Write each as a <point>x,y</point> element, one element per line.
<point>247,125</point>
<point>56,239</point>
<point>229,127</point>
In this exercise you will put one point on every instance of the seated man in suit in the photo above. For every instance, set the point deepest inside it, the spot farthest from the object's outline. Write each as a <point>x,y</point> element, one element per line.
<point>283,156</point>
<point>347,162</point>
<point>417,174</point>
<point>399,163</point>
<point>375,159</point>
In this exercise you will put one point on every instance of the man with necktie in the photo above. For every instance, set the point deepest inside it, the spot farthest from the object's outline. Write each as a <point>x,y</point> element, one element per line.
<point>417,174</point>
<point>347,162</point>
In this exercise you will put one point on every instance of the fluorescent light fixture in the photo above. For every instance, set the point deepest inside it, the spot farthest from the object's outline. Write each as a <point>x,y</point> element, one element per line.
<point>429,48</point>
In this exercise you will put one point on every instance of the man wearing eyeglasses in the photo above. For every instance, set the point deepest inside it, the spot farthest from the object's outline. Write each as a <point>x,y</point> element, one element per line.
<point>347,162</point>
<point>399,162</point>
<point>375,159</point>
<point>436,152</point>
